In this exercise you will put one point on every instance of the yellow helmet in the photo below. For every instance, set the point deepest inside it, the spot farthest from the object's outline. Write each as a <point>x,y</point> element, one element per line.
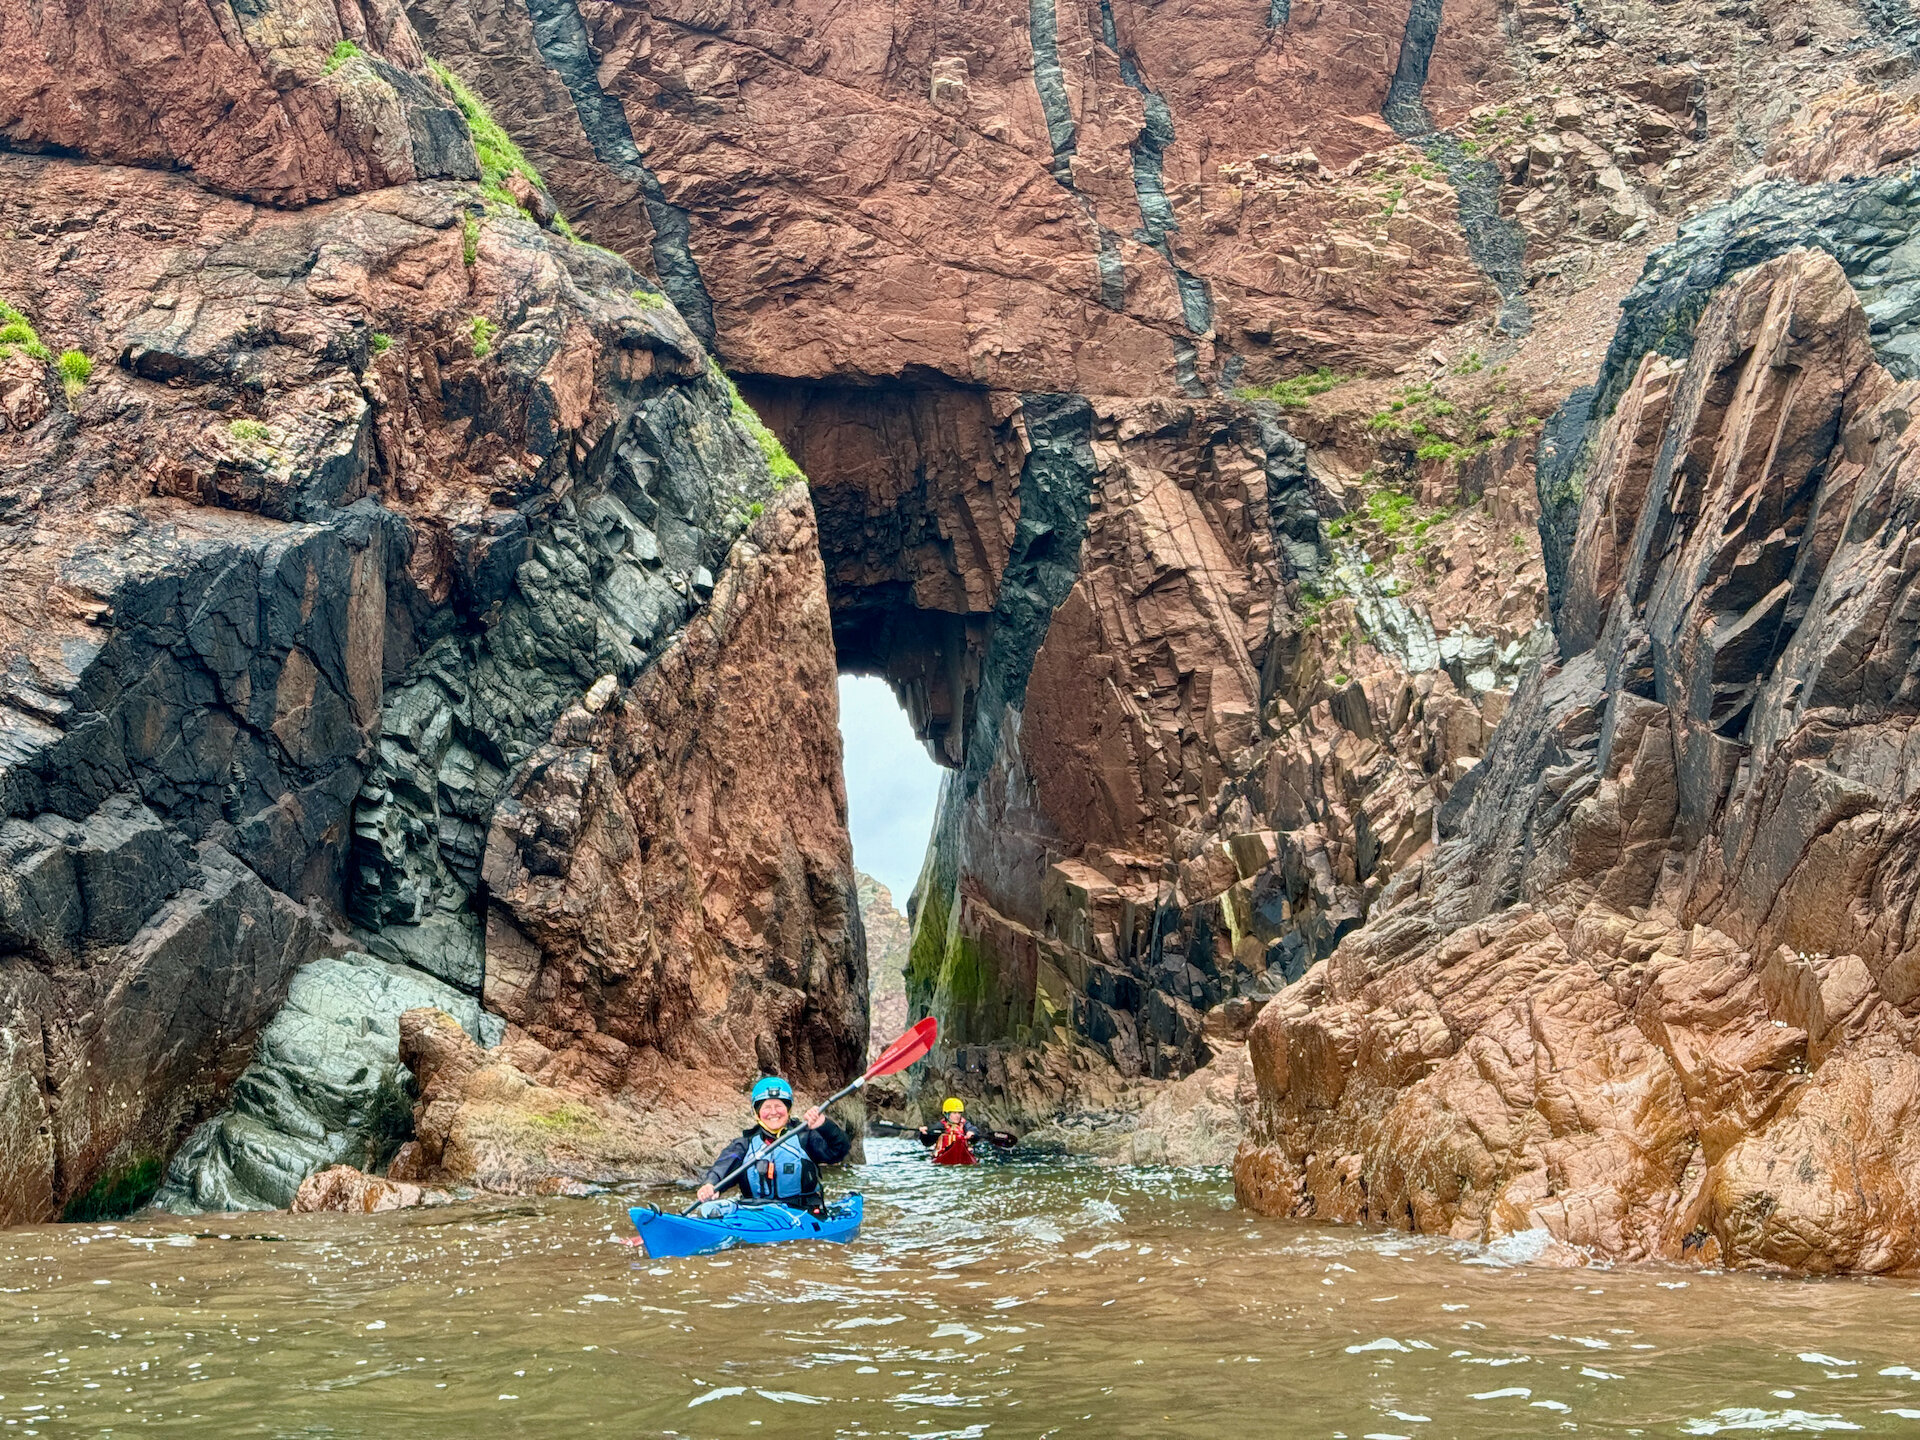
<point>953,1106</point>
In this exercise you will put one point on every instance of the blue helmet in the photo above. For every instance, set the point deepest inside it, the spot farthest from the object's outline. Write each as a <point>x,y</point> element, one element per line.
<point>771,1087</point>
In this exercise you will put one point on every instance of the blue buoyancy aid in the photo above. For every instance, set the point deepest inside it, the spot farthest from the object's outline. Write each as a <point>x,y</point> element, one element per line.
<point>786,1173</point>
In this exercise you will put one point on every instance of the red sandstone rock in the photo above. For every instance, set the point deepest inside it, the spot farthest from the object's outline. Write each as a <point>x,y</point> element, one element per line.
<point>260,101</point>
<point>257,375</point>
<point>671,903</point>
<point>483,1121</point>
<point>1692,1042</point>
<point>348,1191</point>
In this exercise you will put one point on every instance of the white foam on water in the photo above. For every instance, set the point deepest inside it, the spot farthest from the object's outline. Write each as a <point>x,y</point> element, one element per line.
<point>1900,1372</point>
<point>719,1392</point>
<point>1779,1422</point>
<point>1814,1357</point>
<point>1588,1370</point>
<point>1512,1392</point>
<point>1385,1342</point>
<point>1098,1212</point>
<point>1410,1419</point>
<point>1554,1405</point>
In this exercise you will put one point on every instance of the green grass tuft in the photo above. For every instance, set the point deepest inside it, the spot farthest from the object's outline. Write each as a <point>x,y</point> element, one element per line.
<point>17,331</point>
<point>499,157</point>
<point>483,331</point>
<point>346,50</point>
<point>470,239</point>
<point>250,432</point>
<point>75,370</point>
<point>1295,391</point>
<point>1389,510</point>
<point>381,342</point>
<point>783,466</point>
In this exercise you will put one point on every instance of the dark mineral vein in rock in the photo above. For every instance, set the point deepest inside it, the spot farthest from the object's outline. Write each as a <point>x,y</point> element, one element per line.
<point>562,38</point>
<point>1051,83</point>
<point>1149,187</point>
<point>1494,242</point>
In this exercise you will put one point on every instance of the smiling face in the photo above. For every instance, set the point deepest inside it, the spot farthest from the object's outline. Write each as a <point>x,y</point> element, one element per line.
<point>772,1114</point>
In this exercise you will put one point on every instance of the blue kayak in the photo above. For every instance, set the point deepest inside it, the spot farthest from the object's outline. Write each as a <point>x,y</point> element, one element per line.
<point>667,1235</point>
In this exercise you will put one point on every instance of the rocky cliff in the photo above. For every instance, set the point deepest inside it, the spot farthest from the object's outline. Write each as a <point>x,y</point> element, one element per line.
<point>1214,438</point>
<point>1648,994</point>
<point>888,938</point>
<point>336,542</point>
<point>1045,298</point>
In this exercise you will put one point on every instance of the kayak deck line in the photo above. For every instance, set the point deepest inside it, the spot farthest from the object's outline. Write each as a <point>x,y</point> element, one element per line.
<point>667,1236</point>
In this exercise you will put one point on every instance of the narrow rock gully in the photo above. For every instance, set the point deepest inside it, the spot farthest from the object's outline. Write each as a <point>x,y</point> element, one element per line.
<point>1037,1296</point>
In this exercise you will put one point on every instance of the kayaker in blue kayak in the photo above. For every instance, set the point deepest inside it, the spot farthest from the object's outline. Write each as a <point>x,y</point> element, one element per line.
<point>790,1173</point>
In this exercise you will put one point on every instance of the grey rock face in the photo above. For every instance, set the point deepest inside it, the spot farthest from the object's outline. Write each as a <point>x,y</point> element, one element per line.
<point>170,1023</point>
<point>326,1087</point>
<point>173,791</point>
<point>593,587</point>
<point>1475,663</point>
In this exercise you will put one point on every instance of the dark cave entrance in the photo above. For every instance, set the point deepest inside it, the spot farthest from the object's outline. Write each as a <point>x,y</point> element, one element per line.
<point>915,488</point>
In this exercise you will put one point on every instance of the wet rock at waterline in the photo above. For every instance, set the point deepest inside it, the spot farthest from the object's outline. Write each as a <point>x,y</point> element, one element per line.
<point>325,1088</point>
<point>347,1191</point>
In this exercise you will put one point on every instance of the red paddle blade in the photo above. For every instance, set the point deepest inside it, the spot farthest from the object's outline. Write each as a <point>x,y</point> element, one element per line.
<point>904,1051</point>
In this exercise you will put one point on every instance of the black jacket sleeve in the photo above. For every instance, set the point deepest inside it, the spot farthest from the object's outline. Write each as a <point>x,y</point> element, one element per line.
<point>829,1144</point>
<point>728,1162</point>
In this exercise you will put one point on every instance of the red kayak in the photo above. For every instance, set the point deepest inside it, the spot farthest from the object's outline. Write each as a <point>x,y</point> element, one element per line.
<point>954,1150</point>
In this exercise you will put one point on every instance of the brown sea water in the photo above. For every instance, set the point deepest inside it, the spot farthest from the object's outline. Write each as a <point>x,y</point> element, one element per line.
<point>1033,1298</point>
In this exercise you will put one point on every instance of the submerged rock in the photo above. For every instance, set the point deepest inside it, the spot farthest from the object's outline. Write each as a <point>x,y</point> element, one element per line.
<point>347,1191</point>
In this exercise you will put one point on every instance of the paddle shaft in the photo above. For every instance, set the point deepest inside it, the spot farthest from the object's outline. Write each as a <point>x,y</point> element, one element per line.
<point>786,1135</point>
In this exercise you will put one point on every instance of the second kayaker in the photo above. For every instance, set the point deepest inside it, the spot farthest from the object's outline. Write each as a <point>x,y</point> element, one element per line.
<point>789,1173</point>
<point>954,1139</point>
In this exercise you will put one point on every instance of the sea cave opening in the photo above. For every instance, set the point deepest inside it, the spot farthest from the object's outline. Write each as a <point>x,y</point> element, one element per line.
<point>893,787</point>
